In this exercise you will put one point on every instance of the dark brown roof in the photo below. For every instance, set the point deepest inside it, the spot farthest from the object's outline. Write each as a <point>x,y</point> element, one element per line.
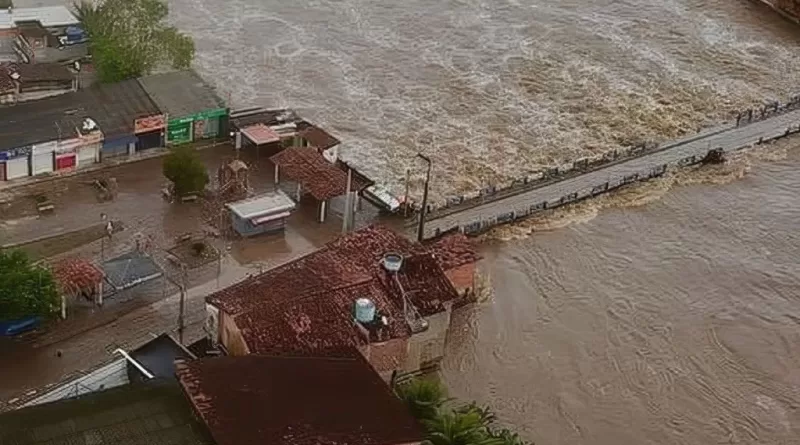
<point>453,249</point>
<point>39,72</point>
<point>317,137</point>
<point>296,401</point>
<point>317,176</point>
<point>324,286</point>
<point>113,106</point>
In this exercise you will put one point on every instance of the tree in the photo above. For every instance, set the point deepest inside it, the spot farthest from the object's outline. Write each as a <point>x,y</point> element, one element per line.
<point>25,288</point>
<point>129,38</point>
<point>185,170</point>
<point>423,397</point>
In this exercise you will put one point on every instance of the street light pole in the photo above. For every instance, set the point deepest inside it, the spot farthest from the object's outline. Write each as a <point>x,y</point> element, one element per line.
<point>421,228</point>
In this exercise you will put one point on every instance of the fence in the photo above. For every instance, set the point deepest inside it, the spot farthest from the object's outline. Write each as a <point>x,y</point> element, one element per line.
<point>479,226</point>
<point>454,204</point>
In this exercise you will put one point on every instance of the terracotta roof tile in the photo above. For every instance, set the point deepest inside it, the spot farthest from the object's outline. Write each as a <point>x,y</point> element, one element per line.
<point>307,166</point>
<point>453,249</point>
<point>320,288</point>
<point>296,401</point>
<point>75,274</point>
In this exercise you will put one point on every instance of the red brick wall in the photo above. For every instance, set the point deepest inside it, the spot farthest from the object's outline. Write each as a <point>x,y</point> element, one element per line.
<point>8,32</point>
<point>462,277</point>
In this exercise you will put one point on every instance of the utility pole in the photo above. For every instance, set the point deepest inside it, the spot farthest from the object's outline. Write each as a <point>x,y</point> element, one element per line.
<point>103,217</point>
<point>421,228</point>
<point>348,204</point>
<point>182,309</point>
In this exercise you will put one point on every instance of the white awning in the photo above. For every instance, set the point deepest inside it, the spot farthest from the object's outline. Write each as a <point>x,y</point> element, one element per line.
<point>266,219</point>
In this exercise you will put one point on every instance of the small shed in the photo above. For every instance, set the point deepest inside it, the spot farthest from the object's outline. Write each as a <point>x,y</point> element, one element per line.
<point>261,214</point>
<point>78,277</point>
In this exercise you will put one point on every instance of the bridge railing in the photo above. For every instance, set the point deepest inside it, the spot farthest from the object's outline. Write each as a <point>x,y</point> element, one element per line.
<point>477,227</point>
<point>541,178</point>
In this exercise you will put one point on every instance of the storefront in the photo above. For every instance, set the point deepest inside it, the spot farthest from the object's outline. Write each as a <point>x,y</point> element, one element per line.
<point>203,125</point>
<point>43,157</point>
<point>118,146</point>
<point>149,132</point>
<point>16,163</point>
<point>66,159</point>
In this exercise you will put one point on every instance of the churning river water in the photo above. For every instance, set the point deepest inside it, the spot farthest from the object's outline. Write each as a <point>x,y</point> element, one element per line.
<point>672,322</point>
<point>492,89</point>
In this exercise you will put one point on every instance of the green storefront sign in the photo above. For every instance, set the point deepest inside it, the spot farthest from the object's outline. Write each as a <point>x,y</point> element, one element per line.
<point>179,131</point>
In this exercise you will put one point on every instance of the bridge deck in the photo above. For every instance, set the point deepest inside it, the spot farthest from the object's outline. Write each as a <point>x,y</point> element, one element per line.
<point>727,137</point>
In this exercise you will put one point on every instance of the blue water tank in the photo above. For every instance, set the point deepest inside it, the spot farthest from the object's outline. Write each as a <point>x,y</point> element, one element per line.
<point>365,310</point>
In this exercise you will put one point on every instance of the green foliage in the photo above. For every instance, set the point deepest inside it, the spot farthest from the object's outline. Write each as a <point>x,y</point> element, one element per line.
<point>25,289</point>
<point>470,424</point>
<point>130,38</point>
<point>424,397</point>
<point>459,428</point>
<point>185,170</point>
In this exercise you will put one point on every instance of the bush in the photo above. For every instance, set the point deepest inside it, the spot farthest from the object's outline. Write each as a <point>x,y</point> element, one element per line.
<point>186,171</point>
<point>470,424</point>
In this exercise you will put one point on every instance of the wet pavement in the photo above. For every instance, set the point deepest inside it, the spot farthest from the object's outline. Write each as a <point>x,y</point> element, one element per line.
<point>130,317</point>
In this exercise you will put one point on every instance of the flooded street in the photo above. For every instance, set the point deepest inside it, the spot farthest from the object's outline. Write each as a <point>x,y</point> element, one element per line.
<point>674,322</point>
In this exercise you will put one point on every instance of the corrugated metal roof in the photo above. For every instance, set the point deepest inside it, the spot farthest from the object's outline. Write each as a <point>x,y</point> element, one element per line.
<point>274,202</point>
<point>48,16</point>
<point>181,93</point>
<point>154,413</point>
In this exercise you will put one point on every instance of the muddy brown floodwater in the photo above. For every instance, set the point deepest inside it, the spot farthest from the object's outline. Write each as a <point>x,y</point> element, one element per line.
<point>671,323</point>
<point>674,322</point>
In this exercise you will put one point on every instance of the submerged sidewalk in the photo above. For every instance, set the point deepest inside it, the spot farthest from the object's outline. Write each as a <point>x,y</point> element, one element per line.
<point>9,188</point>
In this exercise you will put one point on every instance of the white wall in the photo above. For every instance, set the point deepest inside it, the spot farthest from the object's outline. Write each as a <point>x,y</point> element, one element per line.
<point>109,376</point>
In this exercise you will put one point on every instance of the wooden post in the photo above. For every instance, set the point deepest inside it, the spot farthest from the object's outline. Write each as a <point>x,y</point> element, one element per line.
<point>299,191</point>
<point>63,307</point>
<point>277,174</point>
<point>100,293</point>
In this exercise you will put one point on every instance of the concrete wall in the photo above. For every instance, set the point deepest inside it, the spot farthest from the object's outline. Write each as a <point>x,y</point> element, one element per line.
<point>109,376</point>
<point>428,347</point>
<point>386,357</point>
<point>231,335</point>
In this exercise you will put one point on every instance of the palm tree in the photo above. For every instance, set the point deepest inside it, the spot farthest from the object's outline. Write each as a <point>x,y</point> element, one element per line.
<point>423,397</point>
<point>459,428</point>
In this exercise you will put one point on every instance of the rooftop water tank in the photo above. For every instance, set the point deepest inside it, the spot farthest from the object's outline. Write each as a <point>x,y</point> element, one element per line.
<point>365,310</point>
<point>393,262</point>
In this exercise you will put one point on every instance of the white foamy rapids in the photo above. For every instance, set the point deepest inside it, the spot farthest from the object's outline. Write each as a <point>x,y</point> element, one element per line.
<point>491,91</point>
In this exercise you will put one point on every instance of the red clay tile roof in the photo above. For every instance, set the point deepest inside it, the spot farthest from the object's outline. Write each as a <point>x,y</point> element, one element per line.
<point>318,137</point>
<point>453,249</point>
<point>424,283</point>
<point>75,275</point>
<point>342,271</point>
<point>307,166</point>
<point>312,326</point>
<point>255,399</point>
